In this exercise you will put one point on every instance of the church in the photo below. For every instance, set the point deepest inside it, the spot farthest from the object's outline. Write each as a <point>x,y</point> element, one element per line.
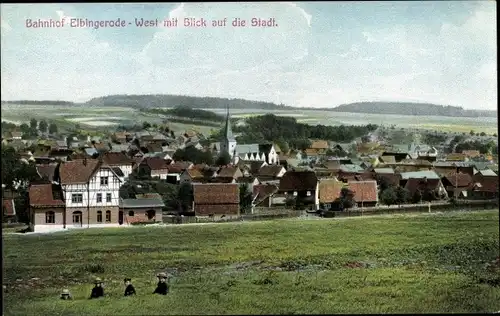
<point>246,152</point>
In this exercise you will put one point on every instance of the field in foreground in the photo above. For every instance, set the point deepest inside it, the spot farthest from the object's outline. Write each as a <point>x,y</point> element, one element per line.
<point>399,264</point>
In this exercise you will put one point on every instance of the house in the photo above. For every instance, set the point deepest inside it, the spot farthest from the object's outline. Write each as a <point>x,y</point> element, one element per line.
<point>142,210</point>
<point>47,208</point>
<point>119,160</point>
<point>9,209</point>
<point>175,169</point>
<point>365,192</point>
<point>229,172</point>
<point>189,175</point>
<point>341,150</point>
<point>15,135</point>
<point>457,157</point>
<point>248,182</point>
<point>121,137</point>
<point>329,191</point>
<point>387,160</point>
<point>263,195</point>
<point>301,186</point>
<point>91,193</point>
<point>486,187</point>
<point>426,184</point>
<point>216,200</point>
<point>47,171</point>
<point>458,184</point>
<point>351,168</point>
<point>270,172</point>
<point>398,156</point>
<point>471,153</point>
<point>155,167</point>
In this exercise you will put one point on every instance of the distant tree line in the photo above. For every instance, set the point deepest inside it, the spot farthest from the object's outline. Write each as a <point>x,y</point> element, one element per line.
<point>161,101</point>
<point>43,102</point>
<point>406,108</point>
<point>272,128</point>
<point>187,112</point>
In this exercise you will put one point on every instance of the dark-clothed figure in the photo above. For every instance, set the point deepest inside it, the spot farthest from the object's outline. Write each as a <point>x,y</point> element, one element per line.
<point>66,295</point>
<point>129,288</point>
<point>98,290</point>
<point>161,287</point>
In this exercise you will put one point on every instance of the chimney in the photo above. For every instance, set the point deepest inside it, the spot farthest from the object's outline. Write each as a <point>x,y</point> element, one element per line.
<point>85,161</point>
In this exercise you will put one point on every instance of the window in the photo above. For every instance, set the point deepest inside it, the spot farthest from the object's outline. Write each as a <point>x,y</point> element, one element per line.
<point>131,213</point>
<point>108,197</point>
<point>50,217</point>
<point>77,198</point>
<point>104,180</point>
<point>99,216</point>
<point>77,218</point>
<point>108,216</point>
<point>99,198</point>
<point>295,193</point>
<point>308,193</point>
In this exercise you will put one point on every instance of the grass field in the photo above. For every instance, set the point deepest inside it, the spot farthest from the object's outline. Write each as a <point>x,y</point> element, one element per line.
<point>95,118</point>
<point>399,264</point>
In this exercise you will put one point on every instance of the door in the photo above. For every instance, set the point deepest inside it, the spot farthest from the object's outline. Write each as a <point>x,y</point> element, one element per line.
<point>151,214</point>
<point>77,219</point>
<point>120,217</point>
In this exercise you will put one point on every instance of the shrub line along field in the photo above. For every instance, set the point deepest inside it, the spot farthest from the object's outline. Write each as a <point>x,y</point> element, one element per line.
<point>440,262</point>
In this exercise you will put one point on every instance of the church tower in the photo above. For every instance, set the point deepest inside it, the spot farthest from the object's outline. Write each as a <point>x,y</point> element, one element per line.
<point>228,143</point>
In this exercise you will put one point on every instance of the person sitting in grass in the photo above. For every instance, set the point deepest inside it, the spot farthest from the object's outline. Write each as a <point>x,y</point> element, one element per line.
<point>161,287</point>
<point>129,288</point>
<point>98,290</point>
<point>66,295</point>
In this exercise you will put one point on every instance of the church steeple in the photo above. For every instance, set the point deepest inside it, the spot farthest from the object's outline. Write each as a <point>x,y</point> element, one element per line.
<point>228,132</point>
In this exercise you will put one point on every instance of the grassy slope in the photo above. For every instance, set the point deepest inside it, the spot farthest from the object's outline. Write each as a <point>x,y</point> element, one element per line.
<point>427,263</point>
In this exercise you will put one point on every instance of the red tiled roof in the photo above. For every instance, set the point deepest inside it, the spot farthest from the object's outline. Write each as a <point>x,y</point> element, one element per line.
<point>270,170</point>
<point>226,172</point>
<point>194,173</point>
<point>178,167</point>
<point>156,163</point>
<point>9,207</point>
<point>216,193</point>
<point>365,191</point>
<point>41,195</point>
<point>116,159</point>
<point>78,171</point>
<point>413,185</point>
<point>46,171</point>
<point>459,180</point>
<point>488,183</point>
<point>329,190</point>
<point>298,181</point>
<point>391,179</point>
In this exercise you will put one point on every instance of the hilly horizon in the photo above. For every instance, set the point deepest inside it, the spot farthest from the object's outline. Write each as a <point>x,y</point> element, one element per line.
<point>167,100</point>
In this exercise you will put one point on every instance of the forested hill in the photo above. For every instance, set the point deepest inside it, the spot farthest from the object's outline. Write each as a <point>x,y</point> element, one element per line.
<point>43,102</point>
<point>165,100</point>
<point>406,108</point>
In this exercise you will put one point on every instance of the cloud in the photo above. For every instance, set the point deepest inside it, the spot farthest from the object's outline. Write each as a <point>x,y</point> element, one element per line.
<point>293,63</point>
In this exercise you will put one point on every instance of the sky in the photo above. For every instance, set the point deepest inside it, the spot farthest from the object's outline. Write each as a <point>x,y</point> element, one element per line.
<point>320,54</point>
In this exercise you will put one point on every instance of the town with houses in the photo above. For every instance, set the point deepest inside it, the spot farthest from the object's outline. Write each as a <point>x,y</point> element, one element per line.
<point>79,183</point>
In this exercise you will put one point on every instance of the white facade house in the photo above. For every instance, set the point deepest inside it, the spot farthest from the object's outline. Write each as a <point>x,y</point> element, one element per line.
<point>91,194</point>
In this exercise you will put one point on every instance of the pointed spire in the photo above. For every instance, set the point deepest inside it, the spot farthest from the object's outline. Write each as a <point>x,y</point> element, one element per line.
<point>228,132</point>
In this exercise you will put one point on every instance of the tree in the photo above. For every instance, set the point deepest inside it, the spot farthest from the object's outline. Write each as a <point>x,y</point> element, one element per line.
<point>52,128</point>
<point>402,195</point>
<point>185,196</point>
<point>196,156</point>
<point>417,197</point>
<point>472,133</point>
<point>245,198</point>
<point>223,159</point>
<point>346,199</point>
<point>389,196</point>
<point>33,123</point>
<point>43,126</point>
<point>482,134</point>
<point>24,128</point>
<point>172,134</point>
<point>146,125</point>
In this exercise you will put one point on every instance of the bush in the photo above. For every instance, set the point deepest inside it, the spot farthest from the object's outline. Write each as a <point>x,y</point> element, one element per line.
<point>94,268</point>
<point>142,223</point>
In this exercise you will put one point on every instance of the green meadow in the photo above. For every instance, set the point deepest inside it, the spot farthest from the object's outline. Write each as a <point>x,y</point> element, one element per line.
<point>425,263</point>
